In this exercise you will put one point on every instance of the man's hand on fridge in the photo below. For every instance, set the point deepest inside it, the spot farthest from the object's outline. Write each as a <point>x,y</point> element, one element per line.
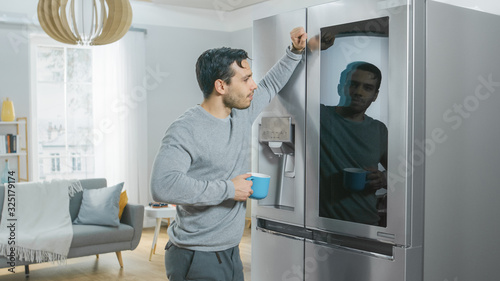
<point>298,36</point>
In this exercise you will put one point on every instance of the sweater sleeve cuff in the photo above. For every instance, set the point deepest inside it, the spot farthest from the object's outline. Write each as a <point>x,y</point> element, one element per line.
<point>230,189</point>
<point>292,55</point>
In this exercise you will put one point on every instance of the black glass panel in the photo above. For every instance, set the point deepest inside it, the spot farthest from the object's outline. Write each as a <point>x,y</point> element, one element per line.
<point>353,114</point>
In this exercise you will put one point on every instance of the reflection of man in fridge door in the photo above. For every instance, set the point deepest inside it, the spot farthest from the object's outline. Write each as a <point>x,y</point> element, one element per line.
<point>203,158</point>
<point>351,139</point>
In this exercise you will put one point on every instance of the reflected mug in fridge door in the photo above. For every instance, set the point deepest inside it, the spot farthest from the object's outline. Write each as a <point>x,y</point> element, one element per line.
<point>260,185</point>
<point>355,179</point>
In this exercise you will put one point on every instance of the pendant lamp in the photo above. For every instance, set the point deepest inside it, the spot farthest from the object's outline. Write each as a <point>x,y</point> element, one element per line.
<point>85,22</point>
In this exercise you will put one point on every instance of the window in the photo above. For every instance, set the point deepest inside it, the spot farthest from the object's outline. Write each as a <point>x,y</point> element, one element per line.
<point>56,162</point>
<point>76,162</point>
<point>64,115</point>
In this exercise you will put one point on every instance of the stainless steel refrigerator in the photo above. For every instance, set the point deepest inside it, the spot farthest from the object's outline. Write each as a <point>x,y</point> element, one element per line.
<point>436,219</point>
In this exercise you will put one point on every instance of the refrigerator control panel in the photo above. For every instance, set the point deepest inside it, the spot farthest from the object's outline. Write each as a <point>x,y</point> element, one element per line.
<point>276,129</point>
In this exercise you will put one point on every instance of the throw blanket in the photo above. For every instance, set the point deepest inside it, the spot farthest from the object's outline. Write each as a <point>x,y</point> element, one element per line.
<point>37,227</point>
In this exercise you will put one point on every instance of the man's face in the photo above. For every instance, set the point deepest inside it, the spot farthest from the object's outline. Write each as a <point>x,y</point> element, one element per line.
<point>362,90</point>
<point>240,90</point>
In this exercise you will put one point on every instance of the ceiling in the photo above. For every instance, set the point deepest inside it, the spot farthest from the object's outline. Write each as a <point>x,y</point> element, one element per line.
<point>218,5</point>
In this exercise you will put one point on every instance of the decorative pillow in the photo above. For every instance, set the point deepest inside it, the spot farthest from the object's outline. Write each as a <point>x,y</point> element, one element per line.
<point>123,203</point>
<point>100,206</point>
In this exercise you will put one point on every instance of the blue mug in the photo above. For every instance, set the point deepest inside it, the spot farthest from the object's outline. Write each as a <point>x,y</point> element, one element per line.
<point>260,185</point>
<point>355,179</point>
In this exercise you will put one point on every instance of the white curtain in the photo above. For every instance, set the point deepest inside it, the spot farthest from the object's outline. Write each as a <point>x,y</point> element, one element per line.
<point>120,128</point>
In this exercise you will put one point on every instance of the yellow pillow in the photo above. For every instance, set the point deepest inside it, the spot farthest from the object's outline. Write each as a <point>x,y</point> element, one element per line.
<point>123,203</point>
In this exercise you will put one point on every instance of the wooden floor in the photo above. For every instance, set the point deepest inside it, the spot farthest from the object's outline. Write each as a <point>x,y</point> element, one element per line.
<point>136,264</point>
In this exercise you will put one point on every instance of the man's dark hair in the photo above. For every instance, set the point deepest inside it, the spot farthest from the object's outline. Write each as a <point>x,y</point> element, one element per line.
<point>215,64</point>
<point>361,65</point>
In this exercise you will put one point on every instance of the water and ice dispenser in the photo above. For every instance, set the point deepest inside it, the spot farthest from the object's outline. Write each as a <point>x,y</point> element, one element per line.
<point>277,159</point>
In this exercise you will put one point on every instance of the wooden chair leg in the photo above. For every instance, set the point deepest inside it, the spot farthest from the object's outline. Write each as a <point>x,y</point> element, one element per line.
<point>119,256</point>
<point>248,221</point>
<point>97,256</point>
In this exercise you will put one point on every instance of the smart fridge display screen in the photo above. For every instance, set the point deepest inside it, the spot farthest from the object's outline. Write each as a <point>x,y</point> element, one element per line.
<point>353,117</point>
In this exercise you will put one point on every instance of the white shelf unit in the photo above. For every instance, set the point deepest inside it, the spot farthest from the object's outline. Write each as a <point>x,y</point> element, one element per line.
<point>19,128</point>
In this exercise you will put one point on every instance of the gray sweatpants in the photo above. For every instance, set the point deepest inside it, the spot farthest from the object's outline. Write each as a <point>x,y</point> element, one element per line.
<point>182,264</point>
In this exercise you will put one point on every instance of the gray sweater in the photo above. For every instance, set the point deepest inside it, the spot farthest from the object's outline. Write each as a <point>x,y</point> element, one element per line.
<point>198,157</point>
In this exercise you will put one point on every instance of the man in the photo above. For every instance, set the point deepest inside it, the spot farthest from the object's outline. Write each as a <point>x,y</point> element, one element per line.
<point>203,158</point>
<point>351,139</point>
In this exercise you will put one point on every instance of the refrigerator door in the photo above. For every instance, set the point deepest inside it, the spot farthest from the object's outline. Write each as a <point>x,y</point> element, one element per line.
<point>278,136</point>
<point>285,260</point>
<point>378,32</point>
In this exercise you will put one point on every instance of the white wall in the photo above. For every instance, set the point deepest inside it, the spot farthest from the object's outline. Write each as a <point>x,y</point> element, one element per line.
<point>15,67</point>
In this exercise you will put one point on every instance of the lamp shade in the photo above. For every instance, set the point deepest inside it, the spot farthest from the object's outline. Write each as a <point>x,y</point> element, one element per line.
<point>85,22</point>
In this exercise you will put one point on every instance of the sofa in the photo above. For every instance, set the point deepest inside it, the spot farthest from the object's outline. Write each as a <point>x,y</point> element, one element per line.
<point>96,239</point>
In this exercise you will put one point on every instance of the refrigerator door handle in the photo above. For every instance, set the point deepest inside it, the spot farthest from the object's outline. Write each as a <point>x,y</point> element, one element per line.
<point>353,250</point>
<point>283,229</point>
<point>276,233</point>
